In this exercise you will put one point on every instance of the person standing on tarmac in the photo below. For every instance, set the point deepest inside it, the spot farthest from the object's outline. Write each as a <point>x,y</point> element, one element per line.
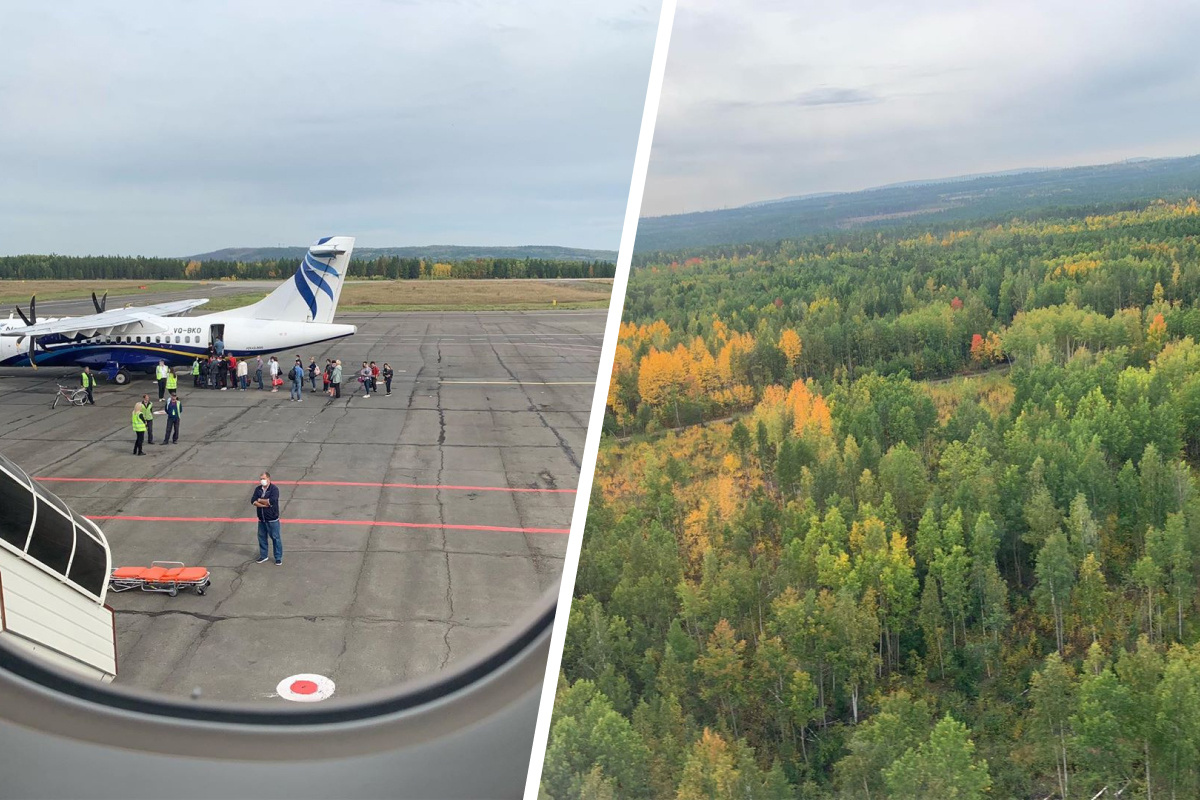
<point>139,430</point>
<point>148,418</point>
<point>313,372</point>
<point>222,373</point>
<point>160,374</point>
<point>243,374</point>
<point>196,373</point>
<point>364,377</point>
<point>297,378</point>
<point>87,381</point>
<point>374,378</point>
<point>266,501</point>
<point>335,379</point>
<point>172,382</point>
<point>174,409</point>
<point>387,378</point>
<point>258,366</point>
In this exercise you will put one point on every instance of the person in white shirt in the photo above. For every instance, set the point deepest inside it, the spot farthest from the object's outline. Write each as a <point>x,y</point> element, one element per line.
<point>243,371</point>
<point>160,373</point>
<point>274,374</point>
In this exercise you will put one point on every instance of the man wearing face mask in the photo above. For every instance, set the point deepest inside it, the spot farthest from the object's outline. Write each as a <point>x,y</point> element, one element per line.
<point>266,500</point>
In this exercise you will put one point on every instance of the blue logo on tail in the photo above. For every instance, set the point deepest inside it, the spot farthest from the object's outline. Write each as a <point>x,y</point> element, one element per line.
<point>312,273</point>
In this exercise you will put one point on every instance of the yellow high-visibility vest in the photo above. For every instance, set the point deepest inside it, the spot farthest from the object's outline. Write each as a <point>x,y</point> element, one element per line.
<point>139,424</point>
<point>172,379</point>
<point>86,379</point>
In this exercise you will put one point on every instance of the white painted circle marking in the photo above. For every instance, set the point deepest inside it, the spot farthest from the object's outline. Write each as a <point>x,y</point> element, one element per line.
<point>305,688</point>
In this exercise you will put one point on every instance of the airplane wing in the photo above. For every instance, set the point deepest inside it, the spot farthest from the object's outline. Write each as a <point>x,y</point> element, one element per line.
<point>105,321</point>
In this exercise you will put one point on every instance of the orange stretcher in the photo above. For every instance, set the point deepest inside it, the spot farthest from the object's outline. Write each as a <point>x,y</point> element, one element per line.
<point>167,577</point>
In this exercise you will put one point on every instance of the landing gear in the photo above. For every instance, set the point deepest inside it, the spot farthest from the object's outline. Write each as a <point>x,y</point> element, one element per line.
<point>121,378</point>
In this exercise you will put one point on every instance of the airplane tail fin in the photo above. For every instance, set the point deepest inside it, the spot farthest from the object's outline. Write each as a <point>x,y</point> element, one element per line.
<point>312,294</point>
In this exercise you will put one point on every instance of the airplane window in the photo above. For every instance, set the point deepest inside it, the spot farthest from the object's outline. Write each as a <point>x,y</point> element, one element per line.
<point>53,537</point>
<point>176,340</point>
<point>89,567</point>
<point>157,340</point>
<point>139,339</point>
<point>16,511</point>
<point>187,339</point>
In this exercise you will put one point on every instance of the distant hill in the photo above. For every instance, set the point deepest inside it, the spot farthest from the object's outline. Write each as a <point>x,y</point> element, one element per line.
<point>434,252</point>
<point>948,200</point>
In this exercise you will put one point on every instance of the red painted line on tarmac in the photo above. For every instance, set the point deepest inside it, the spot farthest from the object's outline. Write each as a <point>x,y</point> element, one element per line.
<point>311,483</point>
<point>295,521</point>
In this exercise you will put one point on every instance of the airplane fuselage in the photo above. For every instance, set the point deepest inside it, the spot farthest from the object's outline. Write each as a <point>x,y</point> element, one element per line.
<point>176,340</point>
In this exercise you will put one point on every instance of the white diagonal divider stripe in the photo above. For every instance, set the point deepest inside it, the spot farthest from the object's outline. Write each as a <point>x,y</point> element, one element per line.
<point>637,186</point>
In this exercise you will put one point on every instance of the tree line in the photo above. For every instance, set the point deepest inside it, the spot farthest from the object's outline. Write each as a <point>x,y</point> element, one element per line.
<point>866,585</point>
<point>55,267</point>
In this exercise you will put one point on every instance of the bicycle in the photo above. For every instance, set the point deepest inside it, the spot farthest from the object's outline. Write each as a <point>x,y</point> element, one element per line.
<point>75,397</point>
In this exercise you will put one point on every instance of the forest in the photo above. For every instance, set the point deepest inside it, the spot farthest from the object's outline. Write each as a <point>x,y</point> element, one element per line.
<point>936,204</point>
<point>54,267</point>
<point>897,516</point>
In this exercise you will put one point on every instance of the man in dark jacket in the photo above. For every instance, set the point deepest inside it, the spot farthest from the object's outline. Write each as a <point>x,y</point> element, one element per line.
<point>266,500</point>
<point>174,409</point>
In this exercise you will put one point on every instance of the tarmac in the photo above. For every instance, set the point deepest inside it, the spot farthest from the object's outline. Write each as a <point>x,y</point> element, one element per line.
<point>416,528</point>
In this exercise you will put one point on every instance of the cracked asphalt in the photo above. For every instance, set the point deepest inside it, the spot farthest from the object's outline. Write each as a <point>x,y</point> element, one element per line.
<point>490,399</point>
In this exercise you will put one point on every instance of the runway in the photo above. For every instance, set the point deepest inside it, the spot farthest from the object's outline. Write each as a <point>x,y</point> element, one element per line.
<point>416,527</point>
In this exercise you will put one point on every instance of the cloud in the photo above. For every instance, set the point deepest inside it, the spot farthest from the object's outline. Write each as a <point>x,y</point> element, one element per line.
<point>771,99</point>
<point>170,127</point>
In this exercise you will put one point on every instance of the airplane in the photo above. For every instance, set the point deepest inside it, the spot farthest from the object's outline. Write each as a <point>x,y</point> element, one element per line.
<point>299,312</point>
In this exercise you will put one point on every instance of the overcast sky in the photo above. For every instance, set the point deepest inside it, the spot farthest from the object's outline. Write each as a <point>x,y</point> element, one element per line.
<point>171,128</point>
<point>773,98</point>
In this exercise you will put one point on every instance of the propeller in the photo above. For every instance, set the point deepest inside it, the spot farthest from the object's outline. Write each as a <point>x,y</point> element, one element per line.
<point>100,304</point>
<point>30,320</point>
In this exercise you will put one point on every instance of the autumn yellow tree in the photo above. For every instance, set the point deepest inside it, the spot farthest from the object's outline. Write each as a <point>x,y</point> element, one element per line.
<point>1156,334</point>
<point>662,379</point>
<point>791,346</point>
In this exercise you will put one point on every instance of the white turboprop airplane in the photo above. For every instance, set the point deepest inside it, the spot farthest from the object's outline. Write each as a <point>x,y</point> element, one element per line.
<point>298,313</point>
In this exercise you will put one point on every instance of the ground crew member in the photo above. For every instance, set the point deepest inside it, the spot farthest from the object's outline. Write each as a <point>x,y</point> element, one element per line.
<point>172,381</point>
<point>148,416</point>
<point>196,372</point>
<point>87,381</point>
<point>174,409</point>
<point>139,430</point>
<point>160,374</point>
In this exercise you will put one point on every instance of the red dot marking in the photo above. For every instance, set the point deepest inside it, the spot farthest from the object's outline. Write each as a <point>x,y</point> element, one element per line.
<point>303,687</point>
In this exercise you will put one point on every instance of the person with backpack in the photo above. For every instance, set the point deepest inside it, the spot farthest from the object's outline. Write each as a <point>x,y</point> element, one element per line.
<point>297,376</point>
